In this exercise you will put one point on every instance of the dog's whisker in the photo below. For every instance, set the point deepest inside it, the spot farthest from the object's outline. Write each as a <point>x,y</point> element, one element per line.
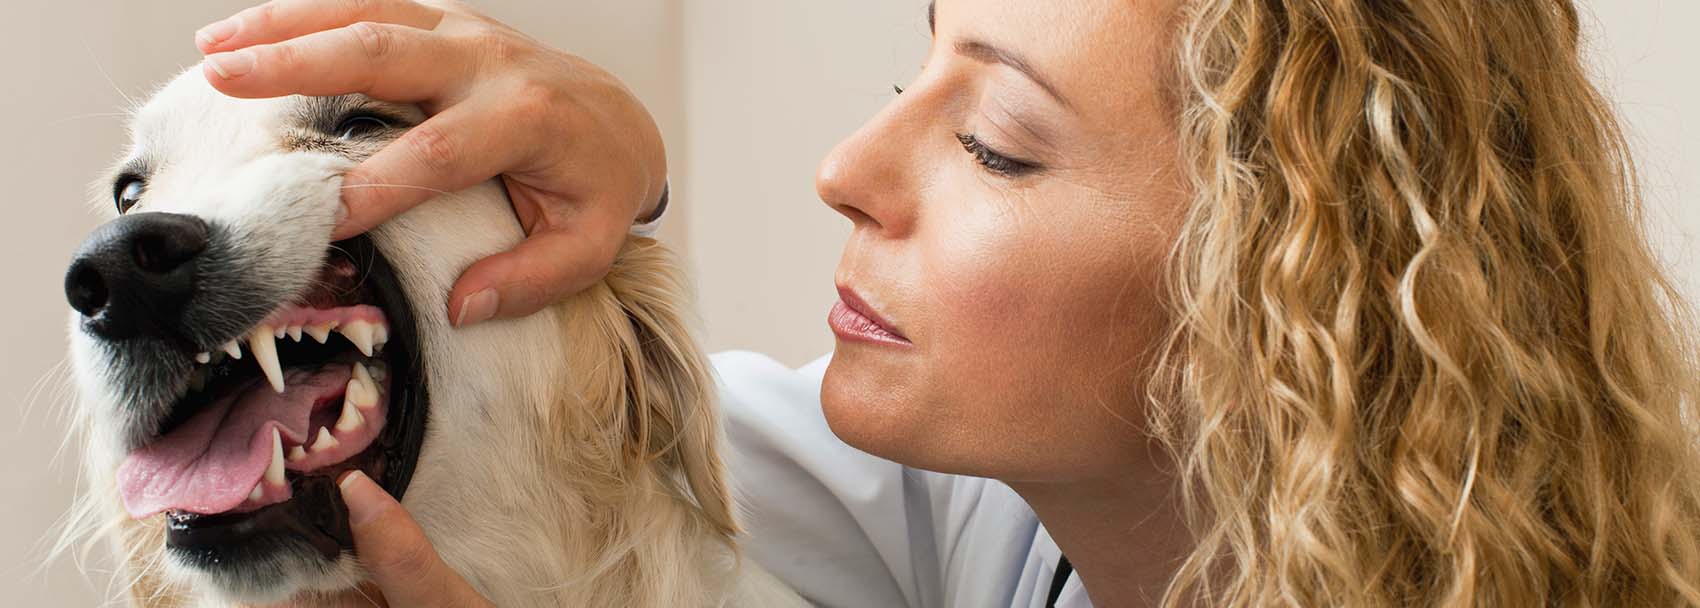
<point>399,186</point>
<point>54,377</point>
<point>129,102</point>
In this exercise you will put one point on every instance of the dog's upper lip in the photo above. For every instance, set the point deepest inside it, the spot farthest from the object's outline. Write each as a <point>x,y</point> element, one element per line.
<point>855,301</point>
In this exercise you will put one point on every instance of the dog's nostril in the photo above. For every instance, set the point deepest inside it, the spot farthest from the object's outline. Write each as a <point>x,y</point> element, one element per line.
<point>85,288</point>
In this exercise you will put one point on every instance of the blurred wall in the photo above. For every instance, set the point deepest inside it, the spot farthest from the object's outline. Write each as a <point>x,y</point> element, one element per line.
<point>750,94</point>
<point>770,87</point>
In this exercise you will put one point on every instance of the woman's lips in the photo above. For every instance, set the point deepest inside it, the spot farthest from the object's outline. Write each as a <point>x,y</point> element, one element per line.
<point>852,319</point>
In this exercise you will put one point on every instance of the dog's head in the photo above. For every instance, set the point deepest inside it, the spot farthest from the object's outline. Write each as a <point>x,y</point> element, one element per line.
<point>232,360</point>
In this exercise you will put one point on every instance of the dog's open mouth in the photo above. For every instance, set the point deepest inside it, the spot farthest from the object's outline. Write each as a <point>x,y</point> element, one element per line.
<point>327,384</point>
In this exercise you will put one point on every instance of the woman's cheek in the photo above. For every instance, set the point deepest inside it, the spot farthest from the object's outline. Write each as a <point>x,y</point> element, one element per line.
<point>996,281</point>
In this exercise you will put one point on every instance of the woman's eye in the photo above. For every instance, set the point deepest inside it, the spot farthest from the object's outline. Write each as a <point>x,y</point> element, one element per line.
<point>992,160</point>
<point>127,192</point>
<point>360,125</point>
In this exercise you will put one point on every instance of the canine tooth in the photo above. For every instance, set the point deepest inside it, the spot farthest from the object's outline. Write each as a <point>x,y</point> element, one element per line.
<point>274,471</point>
<point>295,333</point>
<point>362,391</point>
<point>380,335</point>
<point>320,332</point>
<point>265,352</point>
<point>360,333</point>
<point>362,374</point>
<point>230,348</point>
<point>325,441</point>
<point>297,454</point>
<point>203,358</point>
<point>351,411</point>
<point>257,494</point>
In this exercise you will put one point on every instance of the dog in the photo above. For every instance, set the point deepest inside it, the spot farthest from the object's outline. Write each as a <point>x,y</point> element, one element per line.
<point>231,361</point>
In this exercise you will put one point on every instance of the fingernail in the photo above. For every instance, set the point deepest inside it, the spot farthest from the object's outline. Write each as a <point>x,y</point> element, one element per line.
<point>477,308</point>
<point>365,500</point>
<point>231,65</point>
<point>217,32</point>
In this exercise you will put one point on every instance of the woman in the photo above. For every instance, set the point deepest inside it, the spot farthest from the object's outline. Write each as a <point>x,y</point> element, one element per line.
<point>1251,303</point>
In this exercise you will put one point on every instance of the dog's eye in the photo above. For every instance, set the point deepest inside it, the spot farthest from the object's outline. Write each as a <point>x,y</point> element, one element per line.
<point>360,125</point>
<point>127,192</point>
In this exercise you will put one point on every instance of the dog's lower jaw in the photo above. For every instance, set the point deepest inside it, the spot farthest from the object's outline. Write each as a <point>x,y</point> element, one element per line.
<point>267,585</point>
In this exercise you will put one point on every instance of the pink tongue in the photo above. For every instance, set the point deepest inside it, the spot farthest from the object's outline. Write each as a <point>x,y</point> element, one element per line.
<point>210,463</point>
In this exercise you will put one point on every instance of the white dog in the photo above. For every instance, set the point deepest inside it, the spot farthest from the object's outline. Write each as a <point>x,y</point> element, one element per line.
<point>232,360</point>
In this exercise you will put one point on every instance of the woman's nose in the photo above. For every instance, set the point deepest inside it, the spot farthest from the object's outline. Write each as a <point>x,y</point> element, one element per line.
<point>869,177</point>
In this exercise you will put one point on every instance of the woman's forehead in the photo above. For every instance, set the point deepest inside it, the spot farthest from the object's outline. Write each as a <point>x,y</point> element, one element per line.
<point>1098,56</point>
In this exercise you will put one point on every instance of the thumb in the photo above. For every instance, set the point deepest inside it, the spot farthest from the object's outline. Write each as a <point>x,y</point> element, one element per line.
<point>395,552</point>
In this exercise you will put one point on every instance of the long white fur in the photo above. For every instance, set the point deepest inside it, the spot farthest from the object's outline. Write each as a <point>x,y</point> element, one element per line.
<point>573,456</point>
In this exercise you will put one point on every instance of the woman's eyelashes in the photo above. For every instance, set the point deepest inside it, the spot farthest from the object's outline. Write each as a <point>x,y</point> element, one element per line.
<point>994,161</point>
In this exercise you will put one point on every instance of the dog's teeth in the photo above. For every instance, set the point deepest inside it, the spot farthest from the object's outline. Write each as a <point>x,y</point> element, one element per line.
<point>320,332</point>
<point>274,471</point>
<point>203,358</point>
<point>297,454</point>
<point>360,333</point>
<point>264,346</point>
<point>257,494</point>
<point>325,441</point>
<point>380,336</point>
<point>230,348</point>
<point>277,333</point>
<point>362,390</point>
<point>378,373</point>
<point>363,374</point>
<point>350,420</point>
<point>295,333</point>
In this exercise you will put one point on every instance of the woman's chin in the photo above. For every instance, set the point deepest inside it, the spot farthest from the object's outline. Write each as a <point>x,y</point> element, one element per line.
<point>887,411</point>
<point>871,406</point>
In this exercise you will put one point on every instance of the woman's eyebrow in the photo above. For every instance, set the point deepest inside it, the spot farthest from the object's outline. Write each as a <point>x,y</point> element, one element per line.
<point>981,51</point>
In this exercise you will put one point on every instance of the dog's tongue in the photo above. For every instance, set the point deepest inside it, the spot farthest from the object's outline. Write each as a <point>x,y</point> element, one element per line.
<point>210,463</point>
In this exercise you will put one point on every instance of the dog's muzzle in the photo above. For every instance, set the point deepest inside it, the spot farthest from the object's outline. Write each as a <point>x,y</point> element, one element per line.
<point>245,386</point>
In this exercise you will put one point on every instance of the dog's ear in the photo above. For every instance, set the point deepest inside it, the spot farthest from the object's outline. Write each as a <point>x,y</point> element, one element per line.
<point>658,380</point>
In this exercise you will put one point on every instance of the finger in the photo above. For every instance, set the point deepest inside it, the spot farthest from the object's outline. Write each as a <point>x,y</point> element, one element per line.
<point>548,266</point>
<point>390,62</point>
<point>396,553</point>
<point>281,20</point>
<point>452,151</point>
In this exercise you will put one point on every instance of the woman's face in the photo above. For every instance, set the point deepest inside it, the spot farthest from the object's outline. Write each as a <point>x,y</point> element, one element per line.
<point>1012,211</point>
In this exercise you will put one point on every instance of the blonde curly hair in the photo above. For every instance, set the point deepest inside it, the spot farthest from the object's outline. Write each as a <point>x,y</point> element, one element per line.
<point>1423,354</point>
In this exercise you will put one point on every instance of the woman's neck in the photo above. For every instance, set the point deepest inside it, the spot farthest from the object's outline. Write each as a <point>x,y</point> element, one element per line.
<point>1125,536</point>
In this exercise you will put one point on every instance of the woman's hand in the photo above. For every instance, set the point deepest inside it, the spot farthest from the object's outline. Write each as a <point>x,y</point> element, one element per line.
<point>405,569</point>
<point>580,156</point>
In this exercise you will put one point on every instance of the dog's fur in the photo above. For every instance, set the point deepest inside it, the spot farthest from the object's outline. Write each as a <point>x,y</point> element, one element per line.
<point>572,456</point>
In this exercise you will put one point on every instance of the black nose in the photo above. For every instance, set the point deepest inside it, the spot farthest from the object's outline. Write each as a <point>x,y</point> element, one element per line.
<point>133,275</point>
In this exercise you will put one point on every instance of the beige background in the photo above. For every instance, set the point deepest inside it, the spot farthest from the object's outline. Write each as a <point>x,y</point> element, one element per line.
<point>750,94</point>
